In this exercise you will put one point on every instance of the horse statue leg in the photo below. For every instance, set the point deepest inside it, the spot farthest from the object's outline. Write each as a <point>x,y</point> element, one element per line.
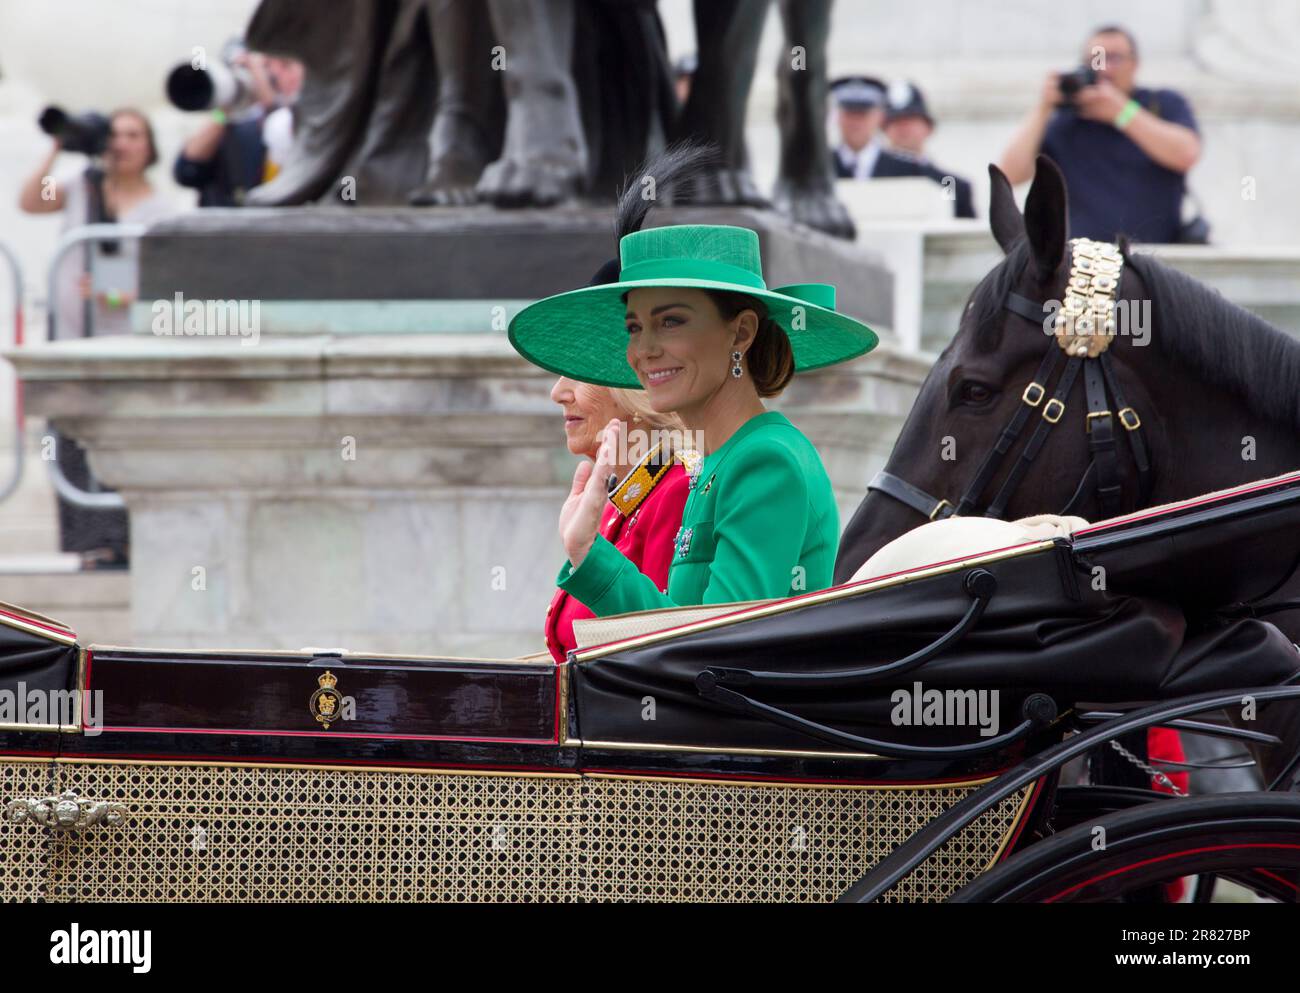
<point>805,186</point>
<point>727,34</point>
<point>545,155</point>
<point>470,112</point>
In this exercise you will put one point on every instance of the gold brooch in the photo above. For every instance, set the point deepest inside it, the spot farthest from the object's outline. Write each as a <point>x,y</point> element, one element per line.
<point>326,702</point>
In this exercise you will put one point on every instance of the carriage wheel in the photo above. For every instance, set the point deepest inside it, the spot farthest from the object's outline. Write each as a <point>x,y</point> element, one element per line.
<point>1251,838</point>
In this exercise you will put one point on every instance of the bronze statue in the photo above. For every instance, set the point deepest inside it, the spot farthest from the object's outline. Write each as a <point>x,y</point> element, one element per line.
<point>534,102</point>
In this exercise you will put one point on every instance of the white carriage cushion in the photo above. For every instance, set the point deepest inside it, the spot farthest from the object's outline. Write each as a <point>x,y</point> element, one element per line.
<point>602,630</point>
<point>962,537</point>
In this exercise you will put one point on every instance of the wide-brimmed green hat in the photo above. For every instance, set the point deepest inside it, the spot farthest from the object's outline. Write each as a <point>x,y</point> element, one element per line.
<point>581,334</point>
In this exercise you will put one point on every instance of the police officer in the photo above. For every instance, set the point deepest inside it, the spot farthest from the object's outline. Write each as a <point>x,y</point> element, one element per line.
<point>861,104</point>
<point>908,126</point>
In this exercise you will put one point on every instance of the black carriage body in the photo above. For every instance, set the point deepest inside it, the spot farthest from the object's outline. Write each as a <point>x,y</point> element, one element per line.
<point>237,775</point>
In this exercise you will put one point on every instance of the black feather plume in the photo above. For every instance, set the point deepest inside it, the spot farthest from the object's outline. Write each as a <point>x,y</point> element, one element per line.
<point>680,161</point>
<point>683,160</point>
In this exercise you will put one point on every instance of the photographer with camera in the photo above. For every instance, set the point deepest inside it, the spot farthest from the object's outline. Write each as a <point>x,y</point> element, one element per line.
<point>113,187</point>
<point>1124,149</point>
<point>249,96</point>
<point>97,284</point>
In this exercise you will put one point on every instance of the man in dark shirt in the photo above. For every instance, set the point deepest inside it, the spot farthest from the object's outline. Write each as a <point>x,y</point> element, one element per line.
<point>1124,149</point>
<point>223,175</point>
<point>860,154</point>
<point>227,157</point>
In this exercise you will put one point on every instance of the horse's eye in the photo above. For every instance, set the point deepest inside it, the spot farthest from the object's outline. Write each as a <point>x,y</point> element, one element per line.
<point>974,393</point>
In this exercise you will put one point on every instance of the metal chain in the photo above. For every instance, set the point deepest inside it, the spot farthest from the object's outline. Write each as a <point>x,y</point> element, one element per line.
<point>1150,770</point>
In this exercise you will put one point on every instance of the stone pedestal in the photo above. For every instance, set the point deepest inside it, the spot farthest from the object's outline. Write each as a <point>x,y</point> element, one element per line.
<point>397,270</point>
<point>375,490</point>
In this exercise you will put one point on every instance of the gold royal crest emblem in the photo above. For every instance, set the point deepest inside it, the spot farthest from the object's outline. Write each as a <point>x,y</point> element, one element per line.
<point>326,702</point>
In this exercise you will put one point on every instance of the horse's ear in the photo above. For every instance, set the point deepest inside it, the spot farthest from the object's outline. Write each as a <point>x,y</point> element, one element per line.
<point>1047,218</point>
<point>1004,216</point>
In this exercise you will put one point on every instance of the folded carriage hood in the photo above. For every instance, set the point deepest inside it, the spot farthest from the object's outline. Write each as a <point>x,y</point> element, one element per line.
<point>36,650</point>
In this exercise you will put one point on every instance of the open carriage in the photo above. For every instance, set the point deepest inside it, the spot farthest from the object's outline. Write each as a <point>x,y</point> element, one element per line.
<point>898,739</point>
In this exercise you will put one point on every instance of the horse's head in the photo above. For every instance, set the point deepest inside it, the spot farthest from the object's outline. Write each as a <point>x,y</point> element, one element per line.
<point>981,383</point>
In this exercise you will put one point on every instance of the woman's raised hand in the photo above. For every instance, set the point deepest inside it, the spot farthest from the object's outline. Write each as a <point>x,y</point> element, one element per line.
<point>580,515</point>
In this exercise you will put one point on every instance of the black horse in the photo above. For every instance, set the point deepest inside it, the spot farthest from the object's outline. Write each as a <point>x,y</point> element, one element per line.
<point>1211,395</point>
<point>1202,396</point>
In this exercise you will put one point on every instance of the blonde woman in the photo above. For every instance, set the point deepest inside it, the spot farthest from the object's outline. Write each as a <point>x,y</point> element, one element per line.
<point>641,525</point>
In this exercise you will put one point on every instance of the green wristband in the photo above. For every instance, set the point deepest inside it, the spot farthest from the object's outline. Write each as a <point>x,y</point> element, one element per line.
<point>1127,114</point>
<point>113,298</point>
<point>219,116</point>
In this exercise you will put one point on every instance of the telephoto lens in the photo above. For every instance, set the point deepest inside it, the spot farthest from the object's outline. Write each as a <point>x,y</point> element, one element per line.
<point>218,85</point>
<point>222,85</point>
<point>86,133</point>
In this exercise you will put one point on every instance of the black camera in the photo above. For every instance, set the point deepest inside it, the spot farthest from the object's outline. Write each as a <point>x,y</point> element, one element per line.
<point>1072,82</point>
<point>86,133</point>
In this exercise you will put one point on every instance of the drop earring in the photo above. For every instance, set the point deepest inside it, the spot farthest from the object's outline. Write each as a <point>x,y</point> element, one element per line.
<point>735,365</point>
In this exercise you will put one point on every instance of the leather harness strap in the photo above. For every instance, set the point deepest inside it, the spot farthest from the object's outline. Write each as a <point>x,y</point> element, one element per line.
<point>1100,427</point>
<point>1053,410</point>
<point>1132,425</point>
<point>905,492</point>
<point>1030,310</point>
<point>1031,398</point>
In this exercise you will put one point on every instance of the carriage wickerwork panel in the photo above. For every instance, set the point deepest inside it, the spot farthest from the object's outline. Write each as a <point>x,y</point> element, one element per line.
<point>963,857</point>
<point>197,832</point>
<point>25,846</point>
<point>259,834</point>
<point>709,841</point>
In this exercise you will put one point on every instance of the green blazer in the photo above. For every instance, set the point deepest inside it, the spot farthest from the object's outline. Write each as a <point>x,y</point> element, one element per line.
<point>760,522</point>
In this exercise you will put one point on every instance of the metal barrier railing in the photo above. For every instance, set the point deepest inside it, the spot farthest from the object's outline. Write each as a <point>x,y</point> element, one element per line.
<point>70,240</point>
<point>20,423</point>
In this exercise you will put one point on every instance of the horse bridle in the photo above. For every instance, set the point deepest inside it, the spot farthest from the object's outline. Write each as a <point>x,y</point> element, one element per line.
<point>1082,330</point>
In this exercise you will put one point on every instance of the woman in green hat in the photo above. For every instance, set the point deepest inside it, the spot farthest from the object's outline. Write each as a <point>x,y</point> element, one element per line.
<point>691,321</point>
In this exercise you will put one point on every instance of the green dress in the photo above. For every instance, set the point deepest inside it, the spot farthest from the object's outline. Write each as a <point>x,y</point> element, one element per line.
<point>760,522</point>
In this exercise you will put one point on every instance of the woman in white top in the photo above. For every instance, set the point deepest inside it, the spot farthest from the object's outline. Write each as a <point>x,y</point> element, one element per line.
<point>129,197</point>
<point>100,536</point>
